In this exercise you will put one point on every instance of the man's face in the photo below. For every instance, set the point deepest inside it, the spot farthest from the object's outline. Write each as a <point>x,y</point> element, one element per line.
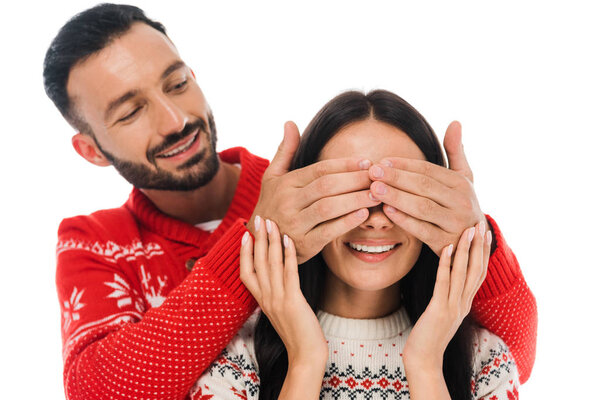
<point>147,113</point>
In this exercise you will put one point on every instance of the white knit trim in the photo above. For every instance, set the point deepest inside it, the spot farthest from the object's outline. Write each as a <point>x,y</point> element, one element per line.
<point>364,329</point>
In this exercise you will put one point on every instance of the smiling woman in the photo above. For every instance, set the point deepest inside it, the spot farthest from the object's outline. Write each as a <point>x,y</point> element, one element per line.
<point>376,314</point>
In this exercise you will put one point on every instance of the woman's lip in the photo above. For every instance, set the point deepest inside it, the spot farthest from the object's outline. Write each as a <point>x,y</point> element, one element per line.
<point>372,257</point>
<point>373,242</point>
<point>176,145</point>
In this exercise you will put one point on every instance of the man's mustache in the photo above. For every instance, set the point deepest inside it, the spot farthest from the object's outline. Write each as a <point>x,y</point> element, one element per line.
<point>173,138</point>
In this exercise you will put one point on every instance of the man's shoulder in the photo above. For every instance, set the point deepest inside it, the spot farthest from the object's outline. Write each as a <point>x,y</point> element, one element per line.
<point>111,223</point>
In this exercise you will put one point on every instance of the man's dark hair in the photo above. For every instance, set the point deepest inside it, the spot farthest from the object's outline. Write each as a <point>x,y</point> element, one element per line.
<point>83,35</point>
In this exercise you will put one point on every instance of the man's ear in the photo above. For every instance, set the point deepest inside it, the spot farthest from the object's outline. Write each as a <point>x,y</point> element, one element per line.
<point>87,148</point>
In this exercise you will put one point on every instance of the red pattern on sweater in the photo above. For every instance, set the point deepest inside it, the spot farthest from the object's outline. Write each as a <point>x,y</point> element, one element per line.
<point>137,324</point>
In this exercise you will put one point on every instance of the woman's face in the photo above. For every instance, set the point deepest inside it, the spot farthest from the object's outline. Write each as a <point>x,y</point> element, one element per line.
<point>378,253</point>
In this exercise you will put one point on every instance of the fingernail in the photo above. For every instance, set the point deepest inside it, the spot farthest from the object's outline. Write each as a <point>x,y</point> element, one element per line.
<point>387,163</point>
<point>481,229</point>
<point>449,250</point>
<point>286,241</point>
<point>372,197</point>
<point>269,226</point>
<point>257,223</point>
<point>380,188</point>
<point>488,237</point>
<point>377,172</point>
<point>245,238</point>
<point>471,234</point>
<point>364,164</point>
<point>390,209</point>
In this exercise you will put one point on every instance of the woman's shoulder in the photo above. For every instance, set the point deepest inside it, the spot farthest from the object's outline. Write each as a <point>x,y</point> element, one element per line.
<point>494,371</point>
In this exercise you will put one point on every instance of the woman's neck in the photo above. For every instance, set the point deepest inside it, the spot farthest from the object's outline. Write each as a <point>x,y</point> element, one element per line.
<point>348,302</point>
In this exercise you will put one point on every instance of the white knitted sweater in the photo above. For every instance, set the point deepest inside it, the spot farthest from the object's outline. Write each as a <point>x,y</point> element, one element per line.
<point>365,362</point>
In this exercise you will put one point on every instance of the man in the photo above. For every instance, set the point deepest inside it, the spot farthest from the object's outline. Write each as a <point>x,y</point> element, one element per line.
<point>150,292</point>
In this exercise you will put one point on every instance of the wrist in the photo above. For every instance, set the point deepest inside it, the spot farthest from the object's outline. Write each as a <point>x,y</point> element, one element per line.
<point>308,360</point>
<point>427,364</point>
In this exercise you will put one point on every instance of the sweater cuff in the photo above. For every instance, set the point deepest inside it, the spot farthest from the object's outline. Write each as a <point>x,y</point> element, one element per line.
<point>503,267</point>
<point>224,260</point>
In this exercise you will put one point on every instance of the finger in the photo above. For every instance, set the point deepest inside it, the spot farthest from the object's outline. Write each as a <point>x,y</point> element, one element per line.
<point>459,265</point>
<point>261,257</point>
<point>285,152</point>
<point>440,173</point>
<point>333,207</point>
<point>416,206</point>
<point>441,289</point>
<point>432,235</point>
<point>327,231</point>
<point>456,151</point>
<point>486,258</point>
<point>275,259</point>
<point>332,185</point>
<point>247,273</point>
<point>290,269</point>
<point>304,176</point>
<point>475,265</point>
<point>412,182</point>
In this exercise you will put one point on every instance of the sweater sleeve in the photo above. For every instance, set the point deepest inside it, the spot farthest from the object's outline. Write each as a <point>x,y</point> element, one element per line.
<point>234,374</point>
<point>505,305</point>
<point>495,375</point>
<point>119,350</point>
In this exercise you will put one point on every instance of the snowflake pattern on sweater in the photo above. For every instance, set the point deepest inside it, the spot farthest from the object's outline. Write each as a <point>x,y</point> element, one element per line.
<point>365,362</point>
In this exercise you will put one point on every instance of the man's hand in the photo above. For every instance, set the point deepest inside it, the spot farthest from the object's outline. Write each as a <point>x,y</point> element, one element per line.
<point>315,204</point>
<point>433,203</point>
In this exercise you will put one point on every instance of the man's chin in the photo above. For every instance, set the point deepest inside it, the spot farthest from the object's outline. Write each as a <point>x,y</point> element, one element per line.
<point>194,173</point>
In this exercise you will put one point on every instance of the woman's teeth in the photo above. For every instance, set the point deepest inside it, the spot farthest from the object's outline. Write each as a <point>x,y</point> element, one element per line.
<point>371,249</point>
<point>179,149</point>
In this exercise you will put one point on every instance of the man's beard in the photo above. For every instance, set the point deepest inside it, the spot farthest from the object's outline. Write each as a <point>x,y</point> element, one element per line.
<point>201,168</point>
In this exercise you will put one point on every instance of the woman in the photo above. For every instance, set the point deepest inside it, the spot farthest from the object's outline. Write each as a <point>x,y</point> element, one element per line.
<point>376,314</point>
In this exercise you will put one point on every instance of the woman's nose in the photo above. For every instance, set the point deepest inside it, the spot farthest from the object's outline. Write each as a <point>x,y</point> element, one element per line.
<point>377,219</point>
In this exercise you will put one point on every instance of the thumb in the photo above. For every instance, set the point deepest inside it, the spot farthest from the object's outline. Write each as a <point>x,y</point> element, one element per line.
<point>455,150</point>
<point>286,150</point>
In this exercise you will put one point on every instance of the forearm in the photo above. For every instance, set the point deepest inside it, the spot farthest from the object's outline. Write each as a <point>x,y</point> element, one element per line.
<point>506,306</point>
<point>302,382</point>
<point>427,383</point>
<point>162,354</point>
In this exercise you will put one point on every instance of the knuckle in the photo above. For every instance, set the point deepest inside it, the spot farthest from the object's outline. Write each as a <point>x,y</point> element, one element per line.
<point>425,207</point>
<point>424,183</point>
<point>322,184</point>
<point>427,168</point>
<point>320,169</point>
<point>323,208</point>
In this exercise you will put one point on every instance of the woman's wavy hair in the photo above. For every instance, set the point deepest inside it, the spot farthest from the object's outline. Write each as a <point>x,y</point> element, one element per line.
<point>416,287</point>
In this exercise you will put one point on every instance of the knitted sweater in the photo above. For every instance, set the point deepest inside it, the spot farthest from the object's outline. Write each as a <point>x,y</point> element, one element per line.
<point>137,324</point>
<point>365,362</point>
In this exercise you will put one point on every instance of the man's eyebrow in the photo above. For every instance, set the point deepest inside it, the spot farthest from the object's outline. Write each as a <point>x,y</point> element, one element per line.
<point>173,67</point>
<point>113,105</point>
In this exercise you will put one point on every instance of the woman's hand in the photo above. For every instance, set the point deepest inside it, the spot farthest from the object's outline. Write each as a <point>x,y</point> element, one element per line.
<point>455,286</point>
<point>271,275</point>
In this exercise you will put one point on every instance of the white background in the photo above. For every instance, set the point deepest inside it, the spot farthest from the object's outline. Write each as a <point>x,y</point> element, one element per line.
<point>522,77</point>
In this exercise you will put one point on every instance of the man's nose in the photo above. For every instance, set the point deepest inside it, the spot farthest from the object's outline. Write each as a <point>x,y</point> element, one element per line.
<point>377,219</point>
<point>170,118</point>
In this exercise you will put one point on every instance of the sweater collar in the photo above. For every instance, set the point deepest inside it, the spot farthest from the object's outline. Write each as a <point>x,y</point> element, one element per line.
<point>364,329</point>
<point>242,204</point>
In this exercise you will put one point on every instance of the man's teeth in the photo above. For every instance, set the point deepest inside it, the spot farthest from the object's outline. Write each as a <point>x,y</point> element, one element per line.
<point>179,149</point>
<point>371,249</point>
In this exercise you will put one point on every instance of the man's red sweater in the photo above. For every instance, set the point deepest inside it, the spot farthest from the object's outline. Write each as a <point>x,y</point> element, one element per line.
<point>138,324</point>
